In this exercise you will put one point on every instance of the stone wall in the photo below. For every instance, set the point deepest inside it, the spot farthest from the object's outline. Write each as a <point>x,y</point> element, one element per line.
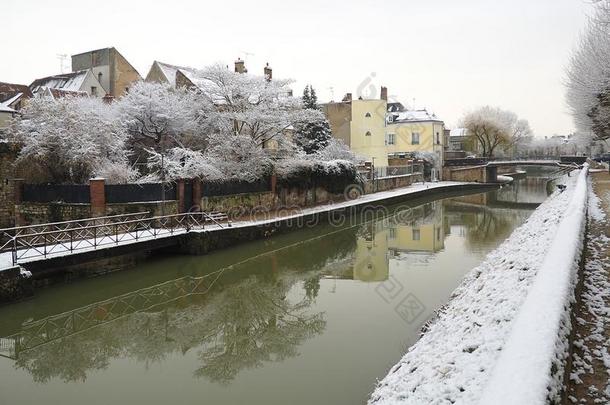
<point>8,154</point>
<point>31,213</point>
<point>476,174</point>
<point>390,183</point>
<point>238,204</point>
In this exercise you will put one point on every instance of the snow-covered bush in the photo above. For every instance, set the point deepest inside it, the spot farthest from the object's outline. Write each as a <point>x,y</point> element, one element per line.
<point>182,163</point>
<point>67,140</point>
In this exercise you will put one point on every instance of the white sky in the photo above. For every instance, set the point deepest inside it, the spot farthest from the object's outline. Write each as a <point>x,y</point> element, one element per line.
<point>449,55</point>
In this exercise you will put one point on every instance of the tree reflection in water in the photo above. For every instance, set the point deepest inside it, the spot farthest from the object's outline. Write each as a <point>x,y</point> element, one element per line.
<point>257,311</point>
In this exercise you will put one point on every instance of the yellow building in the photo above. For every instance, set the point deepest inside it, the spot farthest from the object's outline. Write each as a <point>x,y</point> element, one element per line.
<point>415,131</point>
<point>361,125</point>
<point>376,129</point>
<point>425,234</point>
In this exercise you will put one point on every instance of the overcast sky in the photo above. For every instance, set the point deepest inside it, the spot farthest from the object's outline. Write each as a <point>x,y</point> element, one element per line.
<point>447,55</point>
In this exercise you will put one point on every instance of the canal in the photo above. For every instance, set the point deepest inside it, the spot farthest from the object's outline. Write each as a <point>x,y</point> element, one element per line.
<point>314,316</point>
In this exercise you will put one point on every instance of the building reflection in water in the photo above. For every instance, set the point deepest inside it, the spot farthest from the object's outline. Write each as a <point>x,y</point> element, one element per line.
<point>253,312</point>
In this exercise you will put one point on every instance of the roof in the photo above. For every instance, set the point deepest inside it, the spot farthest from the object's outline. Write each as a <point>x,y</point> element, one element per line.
<point>60,93</point>
<point>458,132</point>
<point>395,107</point>
<point>5,105</point>
<point>414,116</point>
<point>9,90</point>
<point>169,71</point>
<point>66,81</point>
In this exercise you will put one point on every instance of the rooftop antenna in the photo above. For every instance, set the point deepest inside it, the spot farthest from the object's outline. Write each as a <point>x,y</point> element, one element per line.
<point>246,54</point>
<point>63,58</point>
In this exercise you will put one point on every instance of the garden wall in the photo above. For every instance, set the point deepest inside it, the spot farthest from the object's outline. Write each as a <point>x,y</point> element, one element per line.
<point>8,154</point>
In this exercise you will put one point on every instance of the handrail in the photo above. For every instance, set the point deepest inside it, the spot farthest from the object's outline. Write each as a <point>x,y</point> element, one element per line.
<point>47,241</point>
<point>75,221</point>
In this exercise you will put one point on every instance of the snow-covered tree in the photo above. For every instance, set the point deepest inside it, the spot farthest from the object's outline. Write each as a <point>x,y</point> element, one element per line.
<point>492,127</point>
<point>315,135</point>
<point>68,140</point>
<point>588,75</point>
<point>159,112</point>
<point>250,105</point>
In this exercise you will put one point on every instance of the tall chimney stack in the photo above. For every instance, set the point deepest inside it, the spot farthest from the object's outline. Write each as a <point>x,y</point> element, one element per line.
<point>240,66</point>
<point>384,93</point>
<point>347,97</point>
<point>268,72</point>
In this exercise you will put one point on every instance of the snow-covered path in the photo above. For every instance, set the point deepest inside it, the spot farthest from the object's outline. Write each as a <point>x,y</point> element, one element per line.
<point>108,242</point>
<point>590,371</point>
<point>473,352</point>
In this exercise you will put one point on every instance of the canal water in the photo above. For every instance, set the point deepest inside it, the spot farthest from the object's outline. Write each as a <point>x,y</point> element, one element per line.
<point>314,316</point>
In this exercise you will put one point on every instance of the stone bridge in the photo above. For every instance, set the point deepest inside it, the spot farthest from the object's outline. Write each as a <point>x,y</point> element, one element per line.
<point>484,171</point>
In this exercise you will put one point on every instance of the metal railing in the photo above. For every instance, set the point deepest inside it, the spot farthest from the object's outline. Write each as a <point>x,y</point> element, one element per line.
<point>390,171</point>
<point>66,237</point>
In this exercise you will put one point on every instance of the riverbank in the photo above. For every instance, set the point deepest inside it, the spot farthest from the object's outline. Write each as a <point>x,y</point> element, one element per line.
<point>590,366</point>
<point>110,256</point>
<point>501,338</point>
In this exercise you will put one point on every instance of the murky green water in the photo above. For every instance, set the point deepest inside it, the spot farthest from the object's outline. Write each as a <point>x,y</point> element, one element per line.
<point>315,316</point>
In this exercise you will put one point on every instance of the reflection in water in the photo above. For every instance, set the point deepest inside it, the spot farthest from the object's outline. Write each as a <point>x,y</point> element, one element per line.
<point>227,324</point>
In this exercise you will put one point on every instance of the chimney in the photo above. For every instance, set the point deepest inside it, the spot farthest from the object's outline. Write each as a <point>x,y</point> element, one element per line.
<point>268,72</point>
<point>347,97</point>
<point>384,93</point>
<point>240,66</point>
<point>108,99</point>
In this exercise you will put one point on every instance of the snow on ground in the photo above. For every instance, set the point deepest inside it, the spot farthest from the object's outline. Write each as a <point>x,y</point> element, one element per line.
<point>592,341</point>
<point>462,350</point>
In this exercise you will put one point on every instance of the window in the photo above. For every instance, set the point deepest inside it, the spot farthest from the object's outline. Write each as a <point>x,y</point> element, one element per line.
<point>392,233</point>
<point>438,234</point>
<point>367,115</point>
<point>415,138</point>
<point>99,77</point>
<point>438,138</point>
<point>391,139</point>
<point>368,133</point>
<point>416,234</point>
<point>93,91</point>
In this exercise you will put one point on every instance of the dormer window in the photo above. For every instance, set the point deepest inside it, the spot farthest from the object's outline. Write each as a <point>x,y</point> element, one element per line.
<point>367,115</point>
<point>368,133</point>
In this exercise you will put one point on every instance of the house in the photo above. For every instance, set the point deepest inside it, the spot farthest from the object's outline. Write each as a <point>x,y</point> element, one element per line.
<point>80,83</point>
<point>13,98</point>
<point>176,76</point>
<point>378,130</point>
<point>114,73</point>
<point>360,124</point>
<point>415,131</point>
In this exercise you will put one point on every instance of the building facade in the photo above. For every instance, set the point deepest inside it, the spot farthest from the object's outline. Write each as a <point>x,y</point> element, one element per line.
<point>110,68</point>
<point>81,83</point>
<point>378,130</point>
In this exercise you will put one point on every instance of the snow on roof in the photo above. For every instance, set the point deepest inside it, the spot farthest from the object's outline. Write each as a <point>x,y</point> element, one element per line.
<point>458,132</point>
<point>8,90</point>
<point>169,71</point>
<point>59,93</point>
<point>67,81</point>
<point>414,116</point>
<point>5,105</point>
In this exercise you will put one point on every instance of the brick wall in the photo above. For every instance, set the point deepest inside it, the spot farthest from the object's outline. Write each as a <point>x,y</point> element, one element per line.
<point>8,154</point>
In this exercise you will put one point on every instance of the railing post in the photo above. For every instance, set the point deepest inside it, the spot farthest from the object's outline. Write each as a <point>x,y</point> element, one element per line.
<point>14,250</point>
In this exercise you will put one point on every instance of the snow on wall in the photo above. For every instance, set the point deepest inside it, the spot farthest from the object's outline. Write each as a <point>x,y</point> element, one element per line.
<point>482,347</point>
